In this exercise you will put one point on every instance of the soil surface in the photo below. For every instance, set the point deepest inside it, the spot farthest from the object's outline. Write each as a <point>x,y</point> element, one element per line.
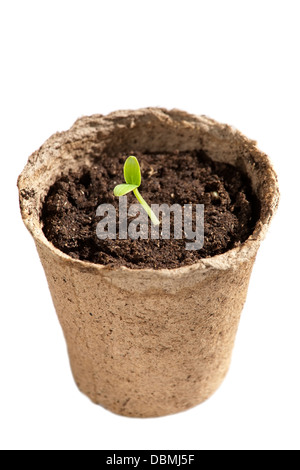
<point>231,209</point>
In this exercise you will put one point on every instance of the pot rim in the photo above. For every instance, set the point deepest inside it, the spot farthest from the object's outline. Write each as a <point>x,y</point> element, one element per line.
<point>245,251</point>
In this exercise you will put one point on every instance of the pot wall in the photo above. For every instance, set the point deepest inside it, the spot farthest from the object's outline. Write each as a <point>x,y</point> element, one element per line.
<point>152,352</point>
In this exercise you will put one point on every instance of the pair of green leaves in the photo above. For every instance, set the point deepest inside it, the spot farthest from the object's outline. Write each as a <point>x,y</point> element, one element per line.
<point>133,178</point>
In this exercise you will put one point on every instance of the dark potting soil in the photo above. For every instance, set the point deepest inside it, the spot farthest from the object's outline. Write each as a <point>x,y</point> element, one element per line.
<point>231,209</point>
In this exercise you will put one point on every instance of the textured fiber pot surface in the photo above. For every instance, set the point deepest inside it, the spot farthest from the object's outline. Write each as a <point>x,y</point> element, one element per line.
<point>147,342</point>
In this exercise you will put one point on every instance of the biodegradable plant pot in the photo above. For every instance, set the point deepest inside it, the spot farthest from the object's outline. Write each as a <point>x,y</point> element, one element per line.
<point>147,343</point>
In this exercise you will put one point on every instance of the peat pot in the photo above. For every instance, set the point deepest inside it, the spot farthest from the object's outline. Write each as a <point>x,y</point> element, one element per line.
<point>143,342</point>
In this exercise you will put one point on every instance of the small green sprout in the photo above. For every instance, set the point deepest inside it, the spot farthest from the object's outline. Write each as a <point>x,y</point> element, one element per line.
<point>132,175</point>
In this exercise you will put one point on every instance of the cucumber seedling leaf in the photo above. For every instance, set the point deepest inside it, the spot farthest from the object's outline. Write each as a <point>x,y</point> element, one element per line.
<point>132,171</point>
<point>123,189</point>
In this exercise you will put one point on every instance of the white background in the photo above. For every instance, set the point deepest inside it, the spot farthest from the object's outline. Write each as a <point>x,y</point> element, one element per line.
<point>235,61</point>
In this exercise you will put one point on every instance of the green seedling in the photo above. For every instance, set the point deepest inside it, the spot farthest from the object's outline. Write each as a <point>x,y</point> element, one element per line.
<point>132,175</point>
